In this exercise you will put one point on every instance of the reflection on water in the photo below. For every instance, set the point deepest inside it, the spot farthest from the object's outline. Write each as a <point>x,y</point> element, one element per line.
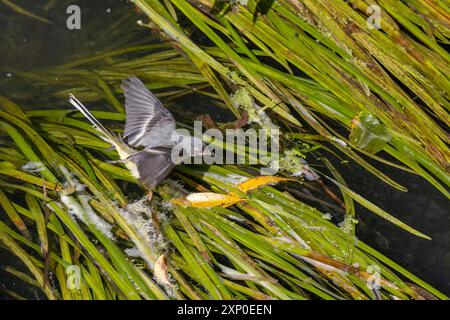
<point>26,44</point>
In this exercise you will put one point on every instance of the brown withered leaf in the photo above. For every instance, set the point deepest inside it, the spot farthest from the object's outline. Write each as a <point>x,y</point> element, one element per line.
<point>161,270</point>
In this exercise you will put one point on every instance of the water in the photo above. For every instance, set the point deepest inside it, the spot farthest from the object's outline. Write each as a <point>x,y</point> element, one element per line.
<point>27,44</point>
<point>422,207</point>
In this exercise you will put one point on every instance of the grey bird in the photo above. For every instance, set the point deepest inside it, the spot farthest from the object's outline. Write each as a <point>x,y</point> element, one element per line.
<point>147,142</point>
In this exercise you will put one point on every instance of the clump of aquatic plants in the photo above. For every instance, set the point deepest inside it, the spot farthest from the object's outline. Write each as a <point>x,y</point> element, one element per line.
<point>65,205</point>
<point>309,65</point>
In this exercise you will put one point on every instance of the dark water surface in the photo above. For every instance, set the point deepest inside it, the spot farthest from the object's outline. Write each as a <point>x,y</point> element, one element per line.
<point>422,207</point>
<point>28,44</point>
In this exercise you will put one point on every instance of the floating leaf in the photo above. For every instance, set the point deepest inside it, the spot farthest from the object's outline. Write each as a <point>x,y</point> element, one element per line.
<point>259,182</point>
<point>208,199</point>
<point>211,199</point>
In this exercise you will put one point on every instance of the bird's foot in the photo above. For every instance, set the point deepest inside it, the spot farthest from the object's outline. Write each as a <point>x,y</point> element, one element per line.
<point>149,196</point>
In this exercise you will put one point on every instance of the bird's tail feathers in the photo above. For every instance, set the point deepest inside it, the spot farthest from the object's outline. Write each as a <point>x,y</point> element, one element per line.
<point>107,135</point>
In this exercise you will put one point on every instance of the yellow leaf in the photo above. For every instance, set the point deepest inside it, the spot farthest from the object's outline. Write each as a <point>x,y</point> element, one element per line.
<point>208,199</point>
<point>255,183</point>
<point>180,202</point>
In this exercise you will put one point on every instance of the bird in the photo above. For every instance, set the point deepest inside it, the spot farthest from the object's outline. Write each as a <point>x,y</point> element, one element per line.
<point>147,141</point>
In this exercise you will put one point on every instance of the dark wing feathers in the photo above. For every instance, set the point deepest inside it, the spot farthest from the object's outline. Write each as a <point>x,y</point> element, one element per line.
<point>148,122</point>
<point>153,165</point>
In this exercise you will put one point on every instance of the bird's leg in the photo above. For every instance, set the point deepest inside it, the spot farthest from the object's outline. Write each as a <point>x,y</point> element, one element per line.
<point>149,196</point>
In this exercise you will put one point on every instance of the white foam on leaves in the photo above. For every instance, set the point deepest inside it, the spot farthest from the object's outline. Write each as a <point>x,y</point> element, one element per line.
<point>72,206</point>
<point>139,216</point>
<point>33,167</point>
<point>133,252</point>
<point>99,223</point>
<point>80,187</point>
<point>82,211</point>
<point>78,205</point>
<point>71,180</point>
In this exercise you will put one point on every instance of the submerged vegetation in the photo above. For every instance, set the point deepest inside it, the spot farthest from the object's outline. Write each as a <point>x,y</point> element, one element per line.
<point>314,69</point>
<point>345,66</point>
<point>271,246</point>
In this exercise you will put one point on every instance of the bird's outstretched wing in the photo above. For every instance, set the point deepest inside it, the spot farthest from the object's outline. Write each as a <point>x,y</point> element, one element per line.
<point>153,165</point>
<point>148,124</point>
